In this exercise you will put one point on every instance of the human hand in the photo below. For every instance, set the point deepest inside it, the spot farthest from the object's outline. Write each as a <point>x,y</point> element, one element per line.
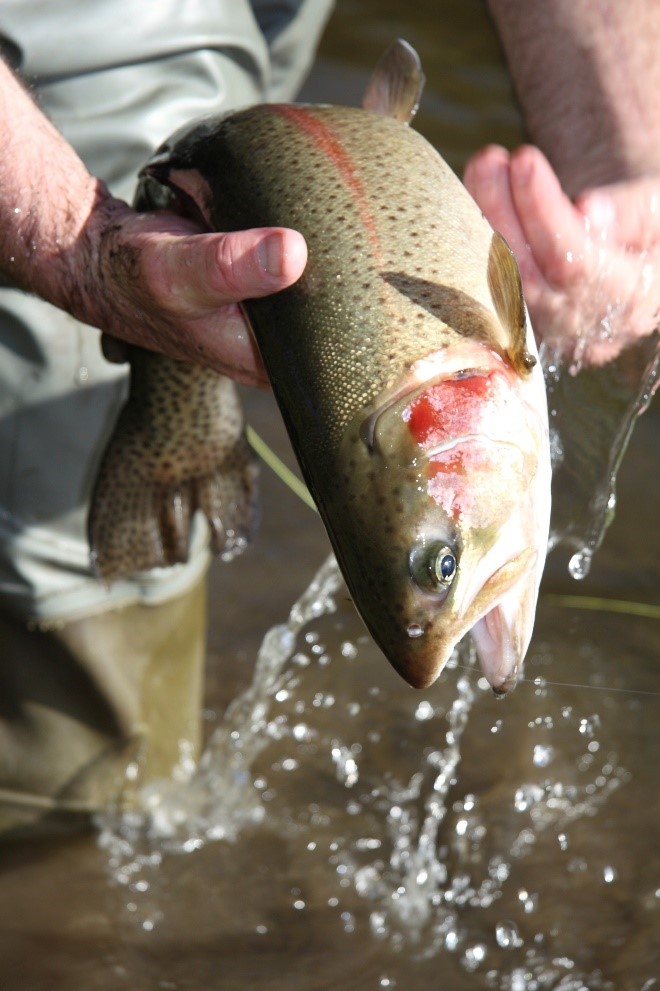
<point>590,268</point>
<point>153,279</point>
<point>157,281</point>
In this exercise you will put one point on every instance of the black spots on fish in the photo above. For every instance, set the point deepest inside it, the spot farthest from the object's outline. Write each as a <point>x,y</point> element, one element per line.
<point>172,450</point>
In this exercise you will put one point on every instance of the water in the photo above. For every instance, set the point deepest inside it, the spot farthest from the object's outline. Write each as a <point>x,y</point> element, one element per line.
<point>375,834</point>
<point>344,831</point>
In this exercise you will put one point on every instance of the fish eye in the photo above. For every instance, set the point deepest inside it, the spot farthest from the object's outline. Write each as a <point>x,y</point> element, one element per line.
<point>433,567</point>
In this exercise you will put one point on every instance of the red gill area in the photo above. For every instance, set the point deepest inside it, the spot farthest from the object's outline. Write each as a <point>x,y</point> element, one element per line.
<point>467,476</point>
<point>330,145</point>
<point>450,409</point>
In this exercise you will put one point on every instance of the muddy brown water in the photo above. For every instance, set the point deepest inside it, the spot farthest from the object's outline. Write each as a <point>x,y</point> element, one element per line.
<point>542,868</point>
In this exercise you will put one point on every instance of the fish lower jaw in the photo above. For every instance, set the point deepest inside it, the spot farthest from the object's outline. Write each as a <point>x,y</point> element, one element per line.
<point>499,657</point>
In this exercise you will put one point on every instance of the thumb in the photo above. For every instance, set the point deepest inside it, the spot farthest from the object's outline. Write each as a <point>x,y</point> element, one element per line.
<point>211,270</point>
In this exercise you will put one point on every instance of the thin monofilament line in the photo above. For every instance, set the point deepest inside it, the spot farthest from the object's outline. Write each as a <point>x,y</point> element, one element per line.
<point>541,682</point>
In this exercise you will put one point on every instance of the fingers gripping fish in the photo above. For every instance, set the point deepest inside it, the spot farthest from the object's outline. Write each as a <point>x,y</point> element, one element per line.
<point>402,361</point>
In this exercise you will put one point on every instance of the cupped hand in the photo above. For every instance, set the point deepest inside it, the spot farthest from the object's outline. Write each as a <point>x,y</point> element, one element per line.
<point>159,282</point>
<point>590,268</point>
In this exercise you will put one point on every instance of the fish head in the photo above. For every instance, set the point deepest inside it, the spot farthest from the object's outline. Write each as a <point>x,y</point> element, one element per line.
<point>453,522</point>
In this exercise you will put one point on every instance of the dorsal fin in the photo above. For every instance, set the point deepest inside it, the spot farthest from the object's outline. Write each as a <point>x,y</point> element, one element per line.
<point>507,295</point>
<point>395,88</point>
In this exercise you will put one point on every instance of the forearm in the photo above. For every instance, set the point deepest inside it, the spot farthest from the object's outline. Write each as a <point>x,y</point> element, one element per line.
<point>51,209</point>
<point>587,75</point>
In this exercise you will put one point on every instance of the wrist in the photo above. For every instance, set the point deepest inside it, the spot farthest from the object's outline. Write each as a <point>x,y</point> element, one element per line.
<point>80,288</point>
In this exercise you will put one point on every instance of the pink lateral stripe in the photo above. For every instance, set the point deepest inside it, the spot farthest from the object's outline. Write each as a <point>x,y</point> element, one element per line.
<point>330,145</point>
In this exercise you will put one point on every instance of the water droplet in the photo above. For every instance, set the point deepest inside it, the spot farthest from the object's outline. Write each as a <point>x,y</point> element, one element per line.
<point>579,564</point>
<point>526,796</point>
<point>474,956</point>
<point>543,755</point>
<point>347,769</point>
<point>609,874</point>
<point>452,939</point>
<point>528,901</point>
<point>589,724</point>
<point>415,630</point>
<point>424,711</point>
<point>507,935</point>
<point>368,883</point>
<point>299,904</point>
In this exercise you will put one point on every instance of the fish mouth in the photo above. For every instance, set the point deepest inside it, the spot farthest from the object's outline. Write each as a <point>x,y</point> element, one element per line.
<point>501,635</point>
<point>499,657</point>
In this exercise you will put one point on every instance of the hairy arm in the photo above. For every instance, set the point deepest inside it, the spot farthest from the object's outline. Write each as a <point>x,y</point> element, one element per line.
<point>587,75</point>
<point>150,279</point>
<point>581,209</point>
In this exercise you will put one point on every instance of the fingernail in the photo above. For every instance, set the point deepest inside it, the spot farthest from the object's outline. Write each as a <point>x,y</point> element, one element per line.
<point>270,255</point>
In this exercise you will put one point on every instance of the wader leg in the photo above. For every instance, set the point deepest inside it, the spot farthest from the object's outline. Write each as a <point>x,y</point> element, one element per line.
<point>83,702</point>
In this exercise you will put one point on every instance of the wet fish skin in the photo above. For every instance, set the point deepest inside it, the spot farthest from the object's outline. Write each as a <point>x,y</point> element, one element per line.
<point>403,364</point>
<point>177,447</point>
<point>407,293</point>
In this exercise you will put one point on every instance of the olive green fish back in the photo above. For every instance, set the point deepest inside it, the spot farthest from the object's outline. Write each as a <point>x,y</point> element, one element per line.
<point>391,234</point>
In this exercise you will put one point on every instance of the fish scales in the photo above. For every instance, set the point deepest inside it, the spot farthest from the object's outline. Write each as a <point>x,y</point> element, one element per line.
<point>386,253</point>
<point>402,361</point>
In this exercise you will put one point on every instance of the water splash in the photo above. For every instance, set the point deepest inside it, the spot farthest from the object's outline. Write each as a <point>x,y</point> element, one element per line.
<point>218,799</point>
<point>412,856</point>
<point>593,411</point>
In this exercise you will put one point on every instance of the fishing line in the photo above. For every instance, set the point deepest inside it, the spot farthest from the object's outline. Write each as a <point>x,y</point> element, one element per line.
<point>598,604</point>
<point>541,682</point>
<point>277,466</point>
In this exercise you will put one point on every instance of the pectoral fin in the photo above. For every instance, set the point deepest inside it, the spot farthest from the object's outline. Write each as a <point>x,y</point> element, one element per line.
<point>396,85</point>
<point>507,295</point>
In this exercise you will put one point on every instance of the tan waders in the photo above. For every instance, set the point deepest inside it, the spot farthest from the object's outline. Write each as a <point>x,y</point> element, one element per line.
<point>92,710</point>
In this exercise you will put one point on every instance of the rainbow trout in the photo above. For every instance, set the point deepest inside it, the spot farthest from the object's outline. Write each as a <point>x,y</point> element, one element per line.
<point>402,361</point>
